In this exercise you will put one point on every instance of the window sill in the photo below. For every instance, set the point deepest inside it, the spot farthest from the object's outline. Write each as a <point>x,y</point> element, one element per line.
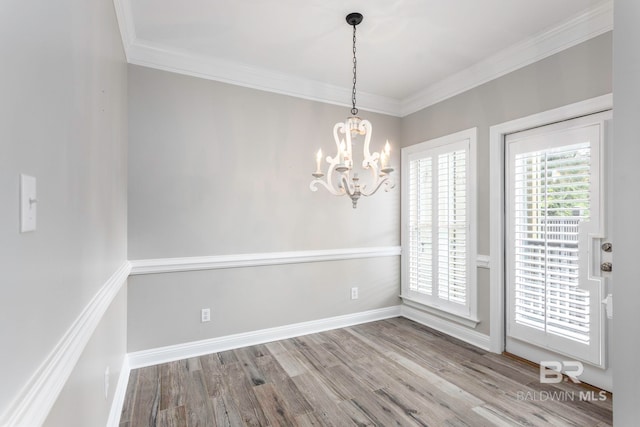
<point>468,321</point>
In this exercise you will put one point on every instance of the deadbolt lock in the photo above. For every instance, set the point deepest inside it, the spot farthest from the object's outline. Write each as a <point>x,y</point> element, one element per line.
<point>606,266</point>
<point>606,247</point>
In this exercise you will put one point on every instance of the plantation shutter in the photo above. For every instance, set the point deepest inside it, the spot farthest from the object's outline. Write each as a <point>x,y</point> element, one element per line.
<point>552,197</point>
<point>452,226</point>
<point>438,226</point>
<point>421,225</point>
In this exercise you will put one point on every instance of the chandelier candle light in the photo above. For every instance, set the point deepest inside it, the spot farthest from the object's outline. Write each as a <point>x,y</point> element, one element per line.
<point>341,179</point>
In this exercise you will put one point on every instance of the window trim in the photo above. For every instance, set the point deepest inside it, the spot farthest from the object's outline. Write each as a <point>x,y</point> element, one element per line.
<point>466,315</point>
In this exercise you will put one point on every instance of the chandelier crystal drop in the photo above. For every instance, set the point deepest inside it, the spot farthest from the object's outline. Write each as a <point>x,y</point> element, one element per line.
<point>340,177</point>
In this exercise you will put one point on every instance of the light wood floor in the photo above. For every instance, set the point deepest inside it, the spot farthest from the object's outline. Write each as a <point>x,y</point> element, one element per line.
<point>388,373</point>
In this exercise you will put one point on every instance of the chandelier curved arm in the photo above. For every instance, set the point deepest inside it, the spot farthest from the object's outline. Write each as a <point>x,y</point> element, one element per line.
<point>381,180</point>
<point>368,158</point>
<point>334,162</point>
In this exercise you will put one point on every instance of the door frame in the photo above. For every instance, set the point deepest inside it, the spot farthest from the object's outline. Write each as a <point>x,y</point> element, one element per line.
<point>497,135</point>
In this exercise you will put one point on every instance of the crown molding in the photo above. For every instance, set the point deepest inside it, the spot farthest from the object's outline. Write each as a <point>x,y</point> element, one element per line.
<point>583,27</point>
<point>148,54</point>
<point>124,16</point>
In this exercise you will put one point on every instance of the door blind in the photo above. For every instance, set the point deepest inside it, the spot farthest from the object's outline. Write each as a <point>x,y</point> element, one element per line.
<point>551,195</point>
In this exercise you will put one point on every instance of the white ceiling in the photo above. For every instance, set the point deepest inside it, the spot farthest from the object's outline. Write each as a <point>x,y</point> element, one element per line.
<point>411,53</point>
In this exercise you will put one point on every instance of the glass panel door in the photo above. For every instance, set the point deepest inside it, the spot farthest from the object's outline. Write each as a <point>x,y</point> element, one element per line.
<point>554,223</point>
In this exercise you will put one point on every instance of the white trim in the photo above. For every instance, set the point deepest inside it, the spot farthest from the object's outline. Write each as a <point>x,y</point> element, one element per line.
<point>169,265</point>
<point>497,202</point>
<point>124,16</point>
<point>466,138</point>
<point>32,404</point>
<point>149,54</point>
<point>581,28</point>
<point>469,322</point>
<point>120,394</point>
<point>171,353</point>
<point>483,261</point>
<point>578,29</point>
<point>465,334</point>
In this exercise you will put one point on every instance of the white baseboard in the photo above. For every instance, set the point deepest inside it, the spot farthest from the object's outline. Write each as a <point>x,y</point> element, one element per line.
<point>120,394</point>
<point>32,404</point>
<point>463,333</point>
<point>198,348</point>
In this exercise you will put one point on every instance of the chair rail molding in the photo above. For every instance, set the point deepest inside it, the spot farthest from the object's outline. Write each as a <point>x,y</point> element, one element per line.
<point>170,265</point>
<point>32,404</point>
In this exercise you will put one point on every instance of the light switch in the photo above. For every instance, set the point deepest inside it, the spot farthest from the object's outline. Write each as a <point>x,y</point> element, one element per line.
<point>28,203</point>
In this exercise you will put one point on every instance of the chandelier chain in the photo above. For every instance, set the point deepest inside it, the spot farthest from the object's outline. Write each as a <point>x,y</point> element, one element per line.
<point>354,110</point>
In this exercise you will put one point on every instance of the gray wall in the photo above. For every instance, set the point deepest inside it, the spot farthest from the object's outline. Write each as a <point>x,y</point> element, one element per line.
<point>82,401</point>
<point>578,73</point>
<point>63,119</point>
<point>626,204</point>
<point>216,169</point>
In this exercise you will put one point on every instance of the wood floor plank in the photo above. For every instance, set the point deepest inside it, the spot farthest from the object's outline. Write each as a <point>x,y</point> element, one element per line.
<point>446,387</point>
<point>425,356</point>
<point>172,417</point>
<point>274,406</point>
<point>247,357</point>
<point>323,401</point>
<point>198,404</point>
<point>291,364</point>
<point>386,373</point>
<point>410,392</point>
<point>313,353</point>
<point>309,420</point>
<point>212,372</point>
<point>344,382</point>
<point>173,379</point>
<point>226,412</point>
<point>227,357</point>
<point>147,400</point>
<point>240,390</point>
<point>355,415</point>
<point>354,351</point>
<point>382,413</point>
<point>130,397</point>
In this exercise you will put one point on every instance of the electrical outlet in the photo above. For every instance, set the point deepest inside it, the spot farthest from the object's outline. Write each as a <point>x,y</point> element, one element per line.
<point>106,383</point>
<point>354,293</point>
<point>205,315</point>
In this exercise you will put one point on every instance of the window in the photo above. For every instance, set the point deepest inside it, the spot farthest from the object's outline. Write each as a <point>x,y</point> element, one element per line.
<point>438,230</point>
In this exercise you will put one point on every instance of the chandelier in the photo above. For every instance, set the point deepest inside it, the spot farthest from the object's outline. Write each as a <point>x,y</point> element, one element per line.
<point>340,178</point>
